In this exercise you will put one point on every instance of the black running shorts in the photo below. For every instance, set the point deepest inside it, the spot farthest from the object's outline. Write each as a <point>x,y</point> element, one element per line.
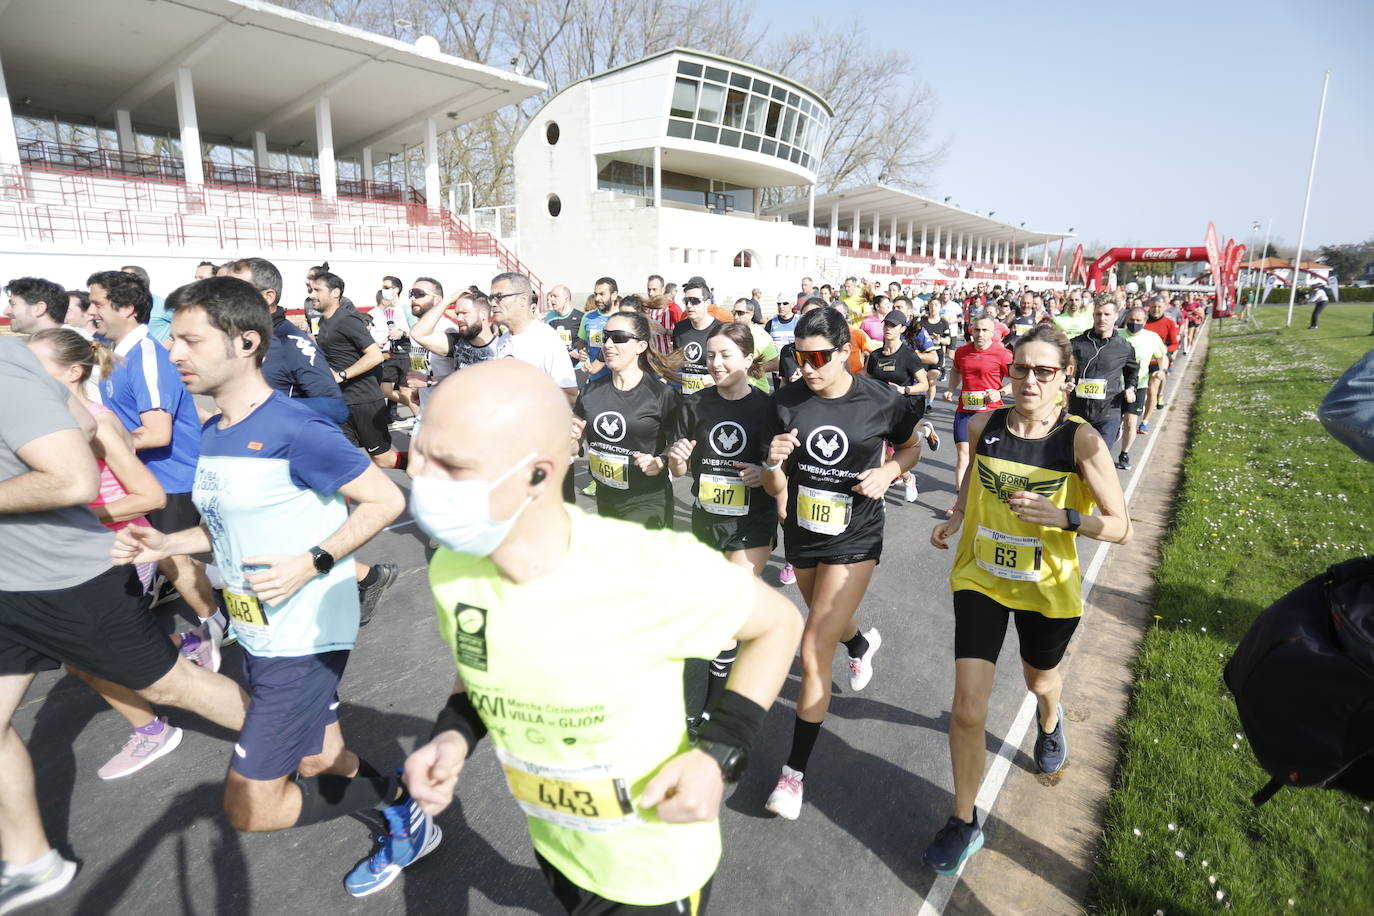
<point>583,902</point>
<point>652,509</point>
<point>980,626</point>
<point>102,626</point>
<point>366,427</point>
<point>179,514</point>
<point>741,532</point>
<point>840,560</point>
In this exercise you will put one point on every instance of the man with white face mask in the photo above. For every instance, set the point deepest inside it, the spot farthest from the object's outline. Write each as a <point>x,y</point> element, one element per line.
<point>270,486</point>
<point>584,758</point>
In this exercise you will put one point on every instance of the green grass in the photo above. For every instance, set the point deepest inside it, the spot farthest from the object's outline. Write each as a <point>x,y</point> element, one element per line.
<point>1267,501</point>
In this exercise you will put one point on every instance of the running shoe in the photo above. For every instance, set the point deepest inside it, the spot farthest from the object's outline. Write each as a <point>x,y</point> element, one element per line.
<point>1160,405</point>
<point>405,425</point>
<point>912,493</point>
<point>589,489</point>
<point>1051,750</point>
<point>1123,461</point>
<point>955,842</point>
<point>411,835</point>
<point>202,644</point>
<point>1143,428</point>
<point>162,591</point>
<point>861,669</point>
<point>18,890</point>
<point>368,596</point>
<point>141,750</point>
<point>786,798</point>
<point>932,437</point>
<point>787,575</point>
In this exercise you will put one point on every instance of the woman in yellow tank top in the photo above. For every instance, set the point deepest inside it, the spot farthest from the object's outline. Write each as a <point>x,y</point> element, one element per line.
<point>1036,475</point>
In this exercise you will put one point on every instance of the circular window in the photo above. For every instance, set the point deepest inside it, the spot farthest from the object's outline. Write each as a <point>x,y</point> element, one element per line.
<point>555,205</point>
<point>551,132</point>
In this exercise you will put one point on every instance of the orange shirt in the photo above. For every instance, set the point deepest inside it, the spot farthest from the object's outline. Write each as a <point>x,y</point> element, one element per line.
<point>720,314</point>
<point>859,346</point>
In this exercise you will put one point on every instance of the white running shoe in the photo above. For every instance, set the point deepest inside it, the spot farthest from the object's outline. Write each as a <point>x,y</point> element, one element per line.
<point>786,799</point>
<point>861,669</point>
<point>912,494</point>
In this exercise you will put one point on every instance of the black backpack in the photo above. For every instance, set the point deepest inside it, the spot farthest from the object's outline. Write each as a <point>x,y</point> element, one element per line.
<point>1303,681</point>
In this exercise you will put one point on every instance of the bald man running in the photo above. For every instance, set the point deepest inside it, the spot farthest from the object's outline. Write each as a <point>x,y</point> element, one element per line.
<point>622,810</point>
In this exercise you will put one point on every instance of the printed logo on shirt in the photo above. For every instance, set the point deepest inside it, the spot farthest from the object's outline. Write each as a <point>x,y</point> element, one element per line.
<point>470,636</point>
<point>728,438</point>
<point>827,444</point>
<point>610,424</point>
<point>693,352</point>
<point>255,446</point>
<point>305,346</point>
<point>1002,485</point>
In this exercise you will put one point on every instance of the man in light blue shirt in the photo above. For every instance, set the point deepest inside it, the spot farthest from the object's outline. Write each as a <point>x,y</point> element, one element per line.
<point>159,321</point>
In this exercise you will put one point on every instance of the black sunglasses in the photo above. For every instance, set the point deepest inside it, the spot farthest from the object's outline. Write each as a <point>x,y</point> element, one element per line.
<point>691,300</point>
<point>619,337</point>
<point>418,294</point>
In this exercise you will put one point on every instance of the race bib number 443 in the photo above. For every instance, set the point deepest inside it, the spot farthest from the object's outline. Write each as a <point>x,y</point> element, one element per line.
<point>589,798</point>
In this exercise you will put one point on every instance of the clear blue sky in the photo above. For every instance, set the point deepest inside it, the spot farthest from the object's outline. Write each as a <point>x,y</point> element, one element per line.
<point>1137,123</point>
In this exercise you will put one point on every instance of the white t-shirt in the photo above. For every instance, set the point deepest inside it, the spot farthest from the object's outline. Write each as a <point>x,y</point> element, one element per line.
<point>540,346</point>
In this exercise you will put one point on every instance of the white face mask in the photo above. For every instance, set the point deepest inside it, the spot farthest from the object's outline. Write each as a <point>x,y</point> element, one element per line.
<point>389,294</point>
<point>457,513</point>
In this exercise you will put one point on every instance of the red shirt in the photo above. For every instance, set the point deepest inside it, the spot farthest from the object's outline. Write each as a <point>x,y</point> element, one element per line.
<point>979,371</point>
<point>1167,329</point>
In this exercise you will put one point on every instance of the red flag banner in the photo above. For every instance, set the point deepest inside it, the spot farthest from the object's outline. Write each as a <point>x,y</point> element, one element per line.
<point>1076,268</point>
<point>1220,280</point>
<point>1213,251</point>
<point>1233,268</point>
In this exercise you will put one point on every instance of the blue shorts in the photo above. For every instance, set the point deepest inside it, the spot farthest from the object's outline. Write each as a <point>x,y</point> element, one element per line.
<point>961,419</point>
<point>291,702</point>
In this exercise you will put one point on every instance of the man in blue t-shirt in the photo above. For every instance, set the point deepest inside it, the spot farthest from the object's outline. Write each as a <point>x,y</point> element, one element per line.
<point>606,294</point>
<point>147,395</point>
<point>271,485</point>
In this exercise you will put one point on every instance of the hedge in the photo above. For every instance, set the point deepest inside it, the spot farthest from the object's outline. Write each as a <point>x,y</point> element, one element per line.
<point>1348,293</point>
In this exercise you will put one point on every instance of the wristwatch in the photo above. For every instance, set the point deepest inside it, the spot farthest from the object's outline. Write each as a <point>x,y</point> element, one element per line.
<point>324,560</point>
<point>1072,519</point>
<point>343,375</point>
<point>732,759</point>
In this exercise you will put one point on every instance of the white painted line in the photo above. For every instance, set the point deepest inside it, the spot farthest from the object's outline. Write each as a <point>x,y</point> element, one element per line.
<point>943,887</point>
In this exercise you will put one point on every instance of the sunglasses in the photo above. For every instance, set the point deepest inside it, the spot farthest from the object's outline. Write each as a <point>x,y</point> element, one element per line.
<point>815,358</point>
<point>690,300</point>
<point>619,337</point>
<point>498,297</point>
<point>742,313</point>
<point>418,294</point>
<point>1042,373</point>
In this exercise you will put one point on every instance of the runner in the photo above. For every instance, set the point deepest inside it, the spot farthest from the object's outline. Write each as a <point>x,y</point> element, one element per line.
<point>1107,373</point>
<point>426,295</point>
<point>1038,474</point>
<point>531,340</point>
<point>897,365</point>
<point>561,316</point>
<point>1148,348</point>
<point>940,332</point>
<point>782,327</point>
<point>605,295</point>
<point>62,603</point>
<point>979,368</point>
<point>154,407</point>
<point>767,351</point>
<point>621,810</point>
<point>271,485</point>
<point>691,333</point>
<point>391,322</point>
<point>1167,329</point>
<point>829,461</point>
<point>627,418</point>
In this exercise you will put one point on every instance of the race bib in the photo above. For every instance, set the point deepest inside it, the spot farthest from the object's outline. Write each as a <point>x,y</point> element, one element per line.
<point>723,495</point>
<point>693,382</point>
<point>589,798</point>
<point>1008,556</point>
<point>244,610</point>
<point>419,364</point>
<point>595,336</point>
<point>823,511</point>
<point>1092,388</point>
<point>612,470</point>
<point>565,335</point>
<point>973,400</point>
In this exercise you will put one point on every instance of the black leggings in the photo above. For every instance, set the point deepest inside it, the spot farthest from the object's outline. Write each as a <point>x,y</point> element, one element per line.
<point>980,626</point>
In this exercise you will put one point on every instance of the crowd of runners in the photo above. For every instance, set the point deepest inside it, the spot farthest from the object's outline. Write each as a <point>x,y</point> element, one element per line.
<point>211,445</point>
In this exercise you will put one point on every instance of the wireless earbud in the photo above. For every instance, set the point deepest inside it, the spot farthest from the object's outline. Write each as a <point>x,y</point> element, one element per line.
<point>247,345</point>
<point>538,476</point>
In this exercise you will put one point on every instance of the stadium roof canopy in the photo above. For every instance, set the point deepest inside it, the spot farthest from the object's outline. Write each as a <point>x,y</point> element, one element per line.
<point>889,203</point>
<point>254,67</point>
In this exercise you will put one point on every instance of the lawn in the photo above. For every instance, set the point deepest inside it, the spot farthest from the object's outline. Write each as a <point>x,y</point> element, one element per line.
<point>1267,501</point>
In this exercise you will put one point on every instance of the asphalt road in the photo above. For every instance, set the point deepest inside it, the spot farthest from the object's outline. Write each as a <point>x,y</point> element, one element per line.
<point>878,786</point>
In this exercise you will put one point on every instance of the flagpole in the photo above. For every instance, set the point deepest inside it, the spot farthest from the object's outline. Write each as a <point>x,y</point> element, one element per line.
<point>1311,173</point>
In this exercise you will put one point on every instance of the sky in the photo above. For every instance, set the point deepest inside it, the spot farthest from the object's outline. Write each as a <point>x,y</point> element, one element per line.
<point>1135,124</point>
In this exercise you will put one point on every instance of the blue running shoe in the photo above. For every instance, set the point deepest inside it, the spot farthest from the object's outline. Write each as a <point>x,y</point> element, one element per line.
<point>411,834</point>
<point>1051,750</point>
<point>955,842</point>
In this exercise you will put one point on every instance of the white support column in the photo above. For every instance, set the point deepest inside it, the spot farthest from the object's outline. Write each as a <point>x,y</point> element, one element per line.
<point>190,128</point>
<point>658,177</point>
<point>877,232</point>
<point>432,190</point>
<point>959,250</point>
<point>834,226</point>
<point>924,228</point>
<point>811,210</point>
<point>260,149</point>
<point>324,147</point>
<point>855,232</point>
<point>893,243</point>
<point>1045,254</point>
<point>124,130</point>
<point>9,141</point>
<point>910,234</point>
<point>369,174</point>
<point>935,248</point>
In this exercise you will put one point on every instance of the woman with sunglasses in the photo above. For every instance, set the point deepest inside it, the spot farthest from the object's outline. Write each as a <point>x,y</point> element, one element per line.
<point>897,365</point>
<point>625,418</point>
<point>830,463</point>
<point>1037,474</point>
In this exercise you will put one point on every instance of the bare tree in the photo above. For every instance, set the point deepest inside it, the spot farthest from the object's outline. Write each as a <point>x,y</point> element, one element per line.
<point>881,127</point>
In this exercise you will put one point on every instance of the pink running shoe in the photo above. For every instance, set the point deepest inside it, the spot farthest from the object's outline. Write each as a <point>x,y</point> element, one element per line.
<point>140,750</point>
<point>201,644</point>
<point>861,669</point>
<point>788,575</point>
<point>786,800</point>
